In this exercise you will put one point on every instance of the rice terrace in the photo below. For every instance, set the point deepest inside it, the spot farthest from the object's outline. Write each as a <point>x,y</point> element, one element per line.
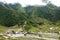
<point>29,20</point>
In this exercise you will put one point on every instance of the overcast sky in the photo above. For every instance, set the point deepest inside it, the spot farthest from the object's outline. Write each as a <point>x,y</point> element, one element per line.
<point>31,2</point>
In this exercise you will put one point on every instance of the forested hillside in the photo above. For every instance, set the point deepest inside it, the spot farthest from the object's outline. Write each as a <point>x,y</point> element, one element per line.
<point>15,14</point>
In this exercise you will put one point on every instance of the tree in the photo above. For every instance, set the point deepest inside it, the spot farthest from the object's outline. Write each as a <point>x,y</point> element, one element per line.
<point>8,17</point>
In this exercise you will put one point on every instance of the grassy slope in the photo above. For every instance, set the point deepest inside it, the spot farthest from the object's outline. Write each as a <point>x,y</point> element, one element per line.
<point>33,29</point>
<point>3,28</point>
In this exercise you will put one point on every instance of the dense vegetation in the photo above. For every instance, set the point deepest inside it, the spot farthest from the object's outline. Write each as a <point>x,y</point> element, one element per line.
<point>35,16</point>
